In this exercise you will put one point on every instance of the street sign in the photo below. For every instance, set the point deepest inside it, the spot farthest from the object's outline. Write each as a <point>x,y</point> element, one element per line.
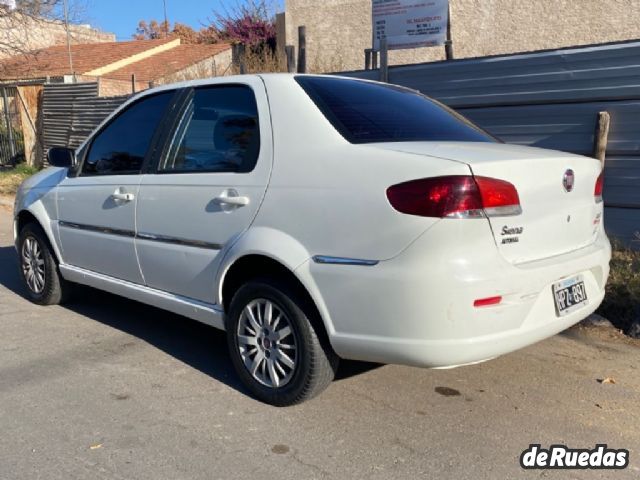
<point>410,23</point>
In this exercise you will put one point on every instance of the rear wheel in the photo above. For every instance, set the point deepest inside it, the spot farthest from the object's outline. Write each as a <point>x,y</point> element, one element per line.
<point>274,346</point>
<point>38,267</point>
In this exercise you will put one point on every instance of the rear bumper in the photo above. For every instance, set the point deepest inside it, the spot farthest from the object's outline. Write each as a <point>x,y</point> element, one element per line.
<point>417,309</point>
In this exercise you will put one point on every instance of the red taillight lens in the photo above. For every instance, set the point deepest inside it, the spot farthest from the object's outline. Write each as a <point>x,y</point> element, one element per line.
<point>599,186</point>
<point>455,196</point>
<point>498,197</point>
<point>436,197</point>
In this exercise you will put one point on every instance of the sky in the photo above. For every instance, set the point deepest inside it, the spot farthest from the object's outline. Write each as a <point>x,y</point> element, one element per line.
<point>122,16</point>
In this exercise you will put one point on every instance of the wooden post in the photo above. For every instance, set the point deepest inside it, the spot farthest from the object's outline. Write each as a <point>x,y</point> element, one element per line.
<point>290,52</point>
<point>237,57</point>
<point>133,83</point>
<point>243,59</point>
<point>302,49</point>
<point>384,60</point>
<point>602,136</point>
<point>448,44</point>
<point>29,110</point>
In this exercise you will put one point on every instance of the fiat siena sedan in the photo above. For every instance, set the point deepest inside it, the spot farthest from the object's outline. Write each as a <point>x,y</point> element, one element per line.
<point>316,218</point>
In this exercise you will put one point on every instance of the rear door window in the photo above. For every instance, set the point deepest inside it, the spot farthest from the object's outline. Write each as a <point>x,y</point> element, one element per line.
<point>365,112</point>
<point>217,132</point>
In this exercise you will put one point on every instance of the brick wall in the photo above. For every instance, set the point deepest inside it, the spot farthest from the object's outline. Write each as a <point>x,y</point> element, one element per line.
<point>27,33</point>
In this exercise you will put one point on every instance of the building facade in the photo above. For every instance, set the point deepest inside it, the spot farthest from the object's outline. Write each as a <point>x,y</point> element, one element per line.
<point>338,31</point>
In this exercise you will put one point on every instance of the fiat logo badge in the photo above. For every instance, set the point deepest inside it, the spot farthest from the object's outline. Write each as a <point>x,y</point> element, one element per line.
<point>568,180</point>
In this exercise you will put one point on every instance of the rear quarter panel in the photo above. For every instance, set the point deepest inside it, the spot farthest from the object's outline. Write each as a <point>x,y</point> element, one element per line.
<point>330,195</point>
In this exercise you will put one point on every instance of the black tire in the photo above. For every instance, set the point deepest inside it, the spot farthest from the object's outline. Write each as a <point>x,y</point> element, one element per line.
<point>315,362</point>
<point>55,289</point>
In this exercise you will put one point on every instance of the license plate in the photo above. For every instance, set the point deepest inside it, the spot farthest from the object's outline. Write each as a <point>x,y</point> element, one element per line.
<point>569,295</point>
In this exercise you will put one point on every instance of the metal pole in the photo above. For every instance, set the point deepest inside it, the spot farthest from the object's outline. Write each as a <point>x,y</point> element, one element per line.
<point>448,44</point>
<point>5,99</point>
<point>166,21</point>
<point>66,25</point>
<point>384,60</point>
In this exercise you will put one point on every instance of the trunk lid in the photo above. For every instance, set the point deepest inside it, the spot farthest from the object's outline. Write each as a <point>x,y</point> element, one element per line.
<point>553,220</point>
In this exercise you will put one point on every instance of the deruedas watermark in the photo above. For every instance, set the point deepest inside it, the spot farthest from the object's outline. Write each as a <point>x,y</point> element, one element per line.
<point>563,457</point>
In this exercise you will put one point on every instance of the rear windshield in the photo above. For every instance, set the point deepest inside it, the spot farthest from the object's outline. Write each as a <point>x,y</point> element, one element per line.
<point>365,112</point>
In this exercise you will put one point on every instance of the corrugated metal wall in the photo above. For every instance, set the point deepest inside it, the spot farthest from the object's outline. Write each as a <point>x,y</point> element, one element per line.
<point>70,112</point>
<point>551,99</point>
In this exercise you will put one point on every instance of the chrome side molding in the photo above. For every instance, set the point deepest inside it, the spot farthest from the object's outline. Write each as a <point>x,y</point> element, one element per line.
<point>94,228</point>
<point>324,259</point>
<point>178,241</point>
<point>142,236</point>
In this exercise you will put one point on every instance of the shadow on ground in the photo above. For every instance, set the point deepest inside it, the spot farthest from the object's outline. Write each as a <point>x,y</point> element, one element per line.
<point>200,346</point>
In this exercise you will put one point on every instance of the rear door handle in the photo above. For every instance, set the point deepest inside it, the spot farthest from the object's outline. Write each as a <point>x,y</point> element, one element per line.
<point>122,196</point>
<point>231,197</point>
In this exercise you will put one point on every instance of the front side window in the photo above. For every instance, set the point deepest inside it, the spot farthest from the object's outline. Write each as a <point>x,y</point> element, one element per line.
<point>217,132</point>
<point>365,112</point>
<point>120,148</point>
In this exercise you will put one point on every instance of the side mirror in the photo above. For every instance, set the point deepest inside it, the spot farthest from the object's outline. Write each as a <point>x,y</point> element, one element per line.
<point>62,157</point>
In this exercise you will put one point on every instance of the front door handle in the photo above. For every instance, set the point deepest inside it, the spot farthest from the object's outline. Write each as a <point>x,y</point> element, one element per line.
<point>122,196</point>
<point>235,201</point>
<point>231,198</point>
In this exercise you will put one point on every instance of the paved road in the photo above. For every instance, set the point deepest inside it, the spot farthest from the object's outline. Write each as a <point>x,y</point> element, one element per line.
<point>109,388</point>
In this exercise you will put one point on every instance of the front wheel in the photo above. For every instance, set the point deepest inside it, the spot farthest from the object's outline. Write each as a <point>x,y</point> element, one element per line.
<point>274,345</point>
<point>38,267</point>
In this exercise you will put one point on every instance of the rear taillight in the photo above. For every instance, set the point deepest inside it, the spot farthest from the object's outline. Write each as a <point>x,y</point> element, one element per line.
<point>597,192</point>
<point>457,196</point>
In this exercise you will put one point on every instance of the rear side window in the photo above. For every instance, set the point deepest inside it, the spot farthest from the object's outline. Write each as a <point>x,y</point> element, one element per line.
<point>365,112</point>
<point>217,132</point>
<point>120,147</point>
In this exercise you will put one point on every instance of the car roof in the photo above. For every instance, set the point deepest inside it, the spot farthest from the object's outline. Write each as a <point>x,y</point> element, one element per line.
<point>231,79</point>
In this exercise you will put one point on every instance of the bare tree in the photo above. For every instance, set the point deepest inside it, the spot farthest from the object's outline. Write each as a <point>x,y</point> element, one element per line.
<point>34,24</point>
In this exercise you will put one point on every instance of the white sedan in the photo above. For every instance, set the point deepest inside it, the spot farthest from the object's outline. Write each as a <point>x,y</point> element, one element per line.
<point>315,218</point>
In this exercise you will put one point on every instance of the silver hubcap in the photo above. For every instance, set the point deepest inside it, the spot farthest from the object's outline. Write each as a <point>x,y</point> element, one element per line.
<point>33,265</point>
<point>267,344</point>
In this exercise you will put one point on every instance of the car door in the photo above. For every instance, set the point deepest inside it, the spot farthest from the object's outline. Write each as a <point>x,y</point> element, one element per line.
<point>207,186</point>
<point>96,208</point>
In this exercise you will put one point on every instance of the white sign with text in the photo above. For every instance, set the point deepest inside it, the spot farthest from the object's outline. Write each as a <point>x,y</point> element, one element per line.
<point>410,23</point>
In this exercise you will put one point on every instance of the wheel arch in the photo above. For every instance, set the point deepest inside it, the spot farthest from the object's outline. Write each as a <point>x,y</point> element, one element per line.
<point>37,214</point>
<point>250,257</point>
